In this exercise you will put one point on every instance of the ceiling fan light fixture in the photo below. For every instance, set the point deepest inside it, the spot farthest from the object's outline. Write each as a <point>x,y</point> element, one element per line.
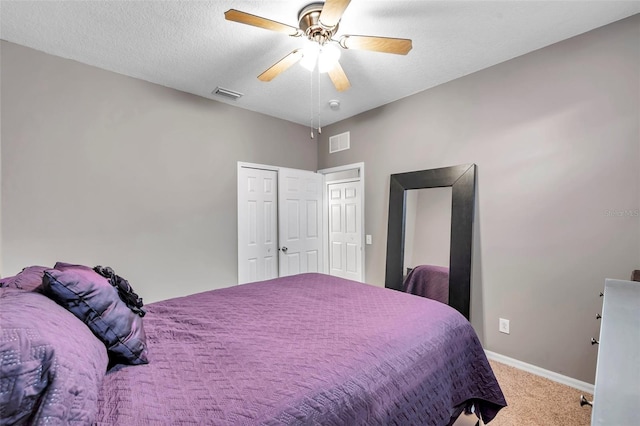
<point>325,57</point>
<point>310,55</point>
<point>328,57</point>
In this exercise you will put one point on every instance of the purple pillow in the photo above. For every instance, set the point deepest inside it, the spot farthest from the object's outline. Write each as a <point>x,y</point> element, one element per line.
<point>30,279</point>
<point>51,365</point>
<point>91,298</point>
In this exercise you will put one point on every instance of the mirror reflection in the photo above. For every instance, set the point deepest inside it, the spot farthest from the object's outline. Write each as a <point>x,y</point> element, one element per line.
<point>427,242</point>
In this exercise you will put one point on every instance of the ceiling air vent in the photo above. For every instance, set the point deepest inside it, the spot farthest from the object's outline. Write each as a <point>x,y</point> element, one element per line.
<point>339,142</point>
<point>229,94</point>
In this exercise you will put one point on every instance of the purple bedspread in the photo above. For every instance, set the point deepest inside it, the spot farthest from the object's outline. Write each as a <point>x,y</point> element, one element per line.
<point>306,349</point>
<point>429,281</point>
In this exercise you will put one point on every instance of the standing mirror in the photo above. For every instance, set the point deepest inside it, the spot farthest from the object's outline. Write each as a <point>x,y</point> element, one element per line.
<point>408,208</point>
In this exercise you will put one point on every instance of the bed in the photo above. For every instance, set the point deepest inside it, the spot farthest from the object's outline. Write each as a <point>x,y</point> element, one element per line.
<point>305,349</point>
<point>428,281</point>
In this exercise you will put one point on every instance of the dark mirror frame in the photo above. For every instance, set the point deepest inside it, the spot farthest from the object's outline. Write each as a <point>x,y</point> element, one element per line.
<point>462,180</point>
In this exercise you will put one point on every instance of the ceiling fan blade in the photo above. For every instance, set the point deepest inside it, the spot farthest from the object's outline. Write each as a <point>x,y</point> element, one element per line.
<point>281,66</point>
<point>399,46</point>
<point>332,12</point>
<point>257,21</point>
<point>339,78</point>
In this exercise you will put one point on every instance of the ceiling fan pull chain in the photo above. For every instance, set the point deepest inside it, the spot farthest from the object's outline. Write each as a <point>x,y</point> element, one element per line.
<point>311,129</point>
<point>318,84</point>
<point>311,102</point>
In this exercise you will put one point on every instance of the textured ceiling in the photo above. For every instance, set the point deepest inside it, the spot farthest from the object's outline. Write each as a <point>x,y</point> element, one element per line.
<point>189,46</point>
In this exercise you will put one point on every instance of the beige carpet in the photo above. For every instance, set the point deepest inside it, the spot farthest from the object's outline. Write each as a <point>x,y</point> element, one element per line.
<point>536,401</point>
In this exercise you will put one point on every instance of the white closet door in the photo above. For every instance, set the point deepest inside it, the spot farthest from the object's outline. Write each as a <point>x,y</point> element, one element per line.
<point>300,221</point>
<point>345,230</point>
<point>257,224</point>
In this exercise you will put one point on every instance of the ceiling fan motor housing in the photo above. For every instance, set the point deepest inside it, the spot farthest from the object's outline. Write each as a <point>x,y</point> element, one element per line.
<point>309,23</point>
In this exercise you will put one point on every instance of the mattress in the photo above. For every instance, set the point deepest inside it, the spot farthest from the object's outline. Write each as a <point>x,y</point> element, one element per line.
<point>305,349</point>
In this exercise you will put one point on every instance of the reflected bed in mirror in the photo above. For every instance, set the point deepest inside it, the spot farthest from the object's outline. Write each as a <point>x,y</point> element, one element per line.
<point>430,234</point>
<point>427,241</point>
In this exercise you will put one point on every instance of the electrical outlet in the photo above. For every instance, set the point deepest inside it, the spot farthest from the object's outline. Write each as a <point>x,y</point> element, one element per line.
<point>504,326</point>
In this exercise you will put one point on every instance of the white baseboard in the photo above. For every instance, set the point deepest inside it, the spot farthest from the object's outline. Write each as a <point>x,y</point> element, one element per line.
<point>565,380</point>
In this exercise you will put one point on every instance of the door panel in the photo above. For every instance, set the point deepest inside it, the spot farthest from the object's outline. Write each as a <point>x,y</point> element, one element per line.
<point>352,258</point>
<point>350,218</point>
<point>345,233</point>
<point>252,268</point>
<point>292,222</point>
<point>257,226</point>
<point>336,256</point>
<point>312,261</point>
<point>269,218</point>
<point>300,201</point>
<point>292,263</point>
<point>336,218</point>
<point>313,224</point>
<point>252,213</point>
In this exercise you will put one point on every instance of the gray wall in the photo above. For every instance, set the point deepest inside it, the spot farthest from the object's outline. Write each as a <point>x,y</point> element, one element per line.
<point>99,168</point>
<point>555,136</point>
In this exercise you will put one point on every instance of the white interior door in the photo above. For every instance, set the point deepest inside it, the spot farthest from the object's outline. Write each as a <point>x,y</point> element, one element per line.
<point>300,221</point>
<point>345,230</point>
<point>257,224</point>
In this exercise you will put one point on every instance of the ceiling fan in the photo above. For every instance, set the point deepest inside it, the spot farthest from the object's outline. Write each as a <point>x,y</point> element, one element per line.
<point>319,23</point>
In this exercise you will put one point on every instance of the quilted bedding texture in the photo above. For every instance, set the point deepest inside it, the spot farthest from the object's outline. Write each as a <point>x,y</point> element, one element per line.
<point>429,281</point>
<point>306,349</point>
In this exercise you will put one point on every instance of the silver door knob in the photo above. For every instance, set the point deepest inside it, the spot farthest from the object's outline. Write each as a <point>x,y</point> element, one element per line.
<point>284,249</point>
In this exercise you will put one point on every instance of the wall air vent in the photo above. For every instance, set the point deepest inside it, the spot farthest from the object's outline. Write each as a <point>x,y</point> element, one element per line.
<point>339,142</point>
<point>226,93</point>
